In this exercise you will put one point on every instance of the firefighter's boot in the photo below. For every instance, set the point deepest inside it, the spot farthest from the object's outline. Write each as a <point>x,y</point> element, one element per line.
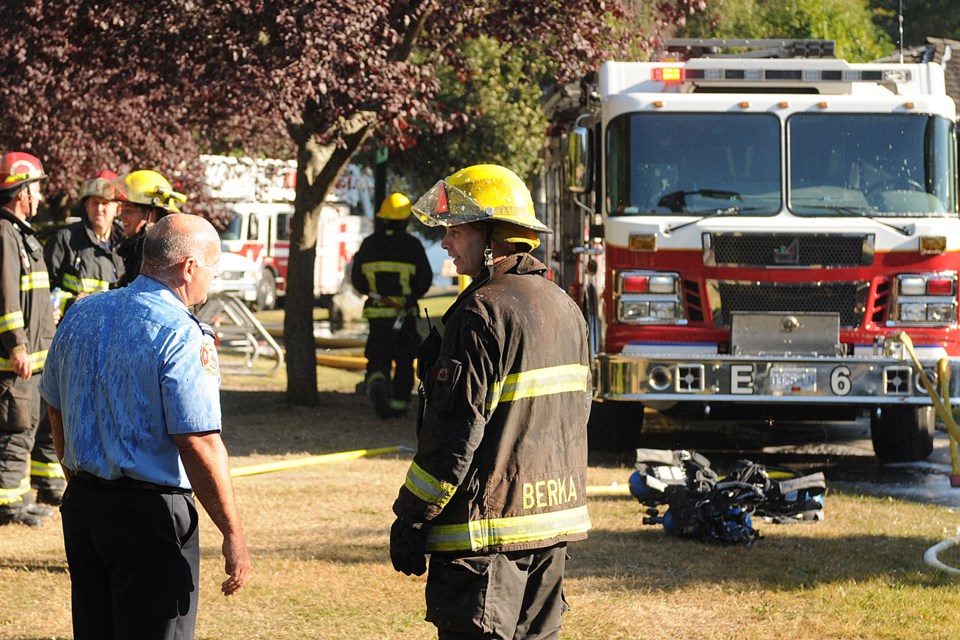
<point>379,393</point>
<point>18,513</point>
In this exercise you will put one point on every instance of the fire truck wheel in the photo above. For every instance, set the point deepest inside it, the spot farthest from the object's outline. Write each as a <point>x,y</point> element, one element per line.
<point>903,433</point>
<point>615,426</point>
<point>267,292</point>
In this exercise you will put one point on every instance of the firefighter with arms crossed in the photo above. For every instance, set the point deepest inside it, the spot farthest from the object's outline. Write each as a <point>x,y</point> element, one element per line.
<point>496,489</point>
<point>82,256</point>
<point>392,270</point>
<point>26,329</point>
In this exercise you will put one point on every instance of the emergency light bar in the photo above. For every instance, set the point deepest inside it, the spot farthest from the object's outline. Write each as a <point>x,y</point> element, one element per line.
<point>681,74</point>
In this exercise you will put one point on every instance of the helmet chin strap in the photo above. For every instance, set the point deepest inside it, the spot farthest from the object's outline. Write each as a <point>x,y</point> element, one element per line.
<point>488,251</point>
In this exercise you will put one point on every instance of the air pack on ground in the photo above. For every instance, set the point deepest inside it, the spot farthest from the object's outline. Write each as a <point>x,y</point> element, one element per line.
<point>703,506</point>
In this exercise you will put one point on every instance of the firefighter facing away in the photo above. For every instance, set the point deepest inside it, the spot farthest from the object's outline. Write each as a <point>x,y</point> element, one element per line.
<point>26,330</point>
<point>392,270</point>
<point>496,488</point>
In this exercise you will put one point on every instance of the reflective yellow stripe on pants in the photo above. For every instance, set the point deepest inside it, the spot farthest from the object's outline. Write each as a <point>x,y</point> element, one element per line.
<point>46,469</point>
<point>480,534</point>
<point>12,496</point>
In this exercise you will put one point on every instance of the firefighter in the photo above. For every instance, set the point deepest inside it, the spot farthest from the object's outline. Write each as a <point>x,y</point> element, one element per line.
<point>496,488</point>
<point>145,197</point>
<point>82,259</point>
<point>26,330</point>
<point>82,256</point>
<point>392,270</point>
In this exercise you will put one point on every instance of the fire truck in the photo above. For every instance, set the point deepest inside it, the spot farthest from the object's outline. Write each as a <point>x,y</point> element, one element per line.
<point>259,195</point>
<point>749,226</point>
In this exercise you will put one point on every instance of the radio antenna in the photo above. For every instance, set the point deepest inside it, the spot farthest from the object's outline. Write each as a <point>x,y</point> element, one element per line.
<point>900,20</point>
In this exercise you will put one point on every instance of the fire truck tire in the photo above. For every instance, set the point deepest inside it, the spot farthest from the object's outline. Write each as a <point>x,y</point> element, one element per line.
<point>615,426</point>
<point>267,292</point>
<point>903,434</point>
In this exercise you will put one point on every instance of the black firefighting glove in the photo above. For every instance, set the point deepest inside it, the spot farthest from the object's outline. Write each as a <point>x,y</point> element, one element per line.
<point>408,547</point>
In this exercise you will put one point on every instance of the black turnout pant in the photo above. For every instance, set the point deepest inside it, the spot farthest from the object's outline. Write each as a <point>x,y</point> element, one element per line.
<point>134,558</point>
<point>516,595</point>
<point>386,346</point>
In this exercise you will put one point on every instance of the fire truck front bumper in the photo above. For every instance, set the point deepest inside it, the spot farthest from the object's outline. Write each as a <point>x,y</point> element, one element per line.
<point>856,380</point>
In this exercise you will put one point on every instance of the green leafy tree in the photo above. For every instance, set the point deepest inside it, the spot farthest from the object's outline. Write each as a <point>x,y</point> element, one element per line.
<point>921,18</point>
<point>848,22</point>
<point>131,84</point>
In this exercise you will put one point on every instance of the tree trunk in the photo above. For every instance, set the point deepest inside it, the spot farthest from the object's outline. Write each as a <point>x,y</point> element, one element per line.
<point>318,167</point>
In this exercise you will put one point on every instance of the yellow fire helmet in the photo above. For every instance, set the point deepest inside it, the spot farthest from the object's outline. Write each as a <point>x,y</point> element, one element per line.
<point>478,193</point>
<point>396,206</point>
<point>149,188</point>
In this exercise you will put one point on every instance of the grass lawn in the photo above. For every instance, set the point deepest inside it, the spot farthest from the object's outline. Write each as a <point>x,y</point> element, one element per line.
<point>319,540</point>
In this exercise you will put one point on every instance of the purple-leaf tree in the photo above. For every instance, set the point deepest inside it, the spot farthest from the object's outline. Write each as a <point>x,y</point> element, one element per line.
<point>91,84</point>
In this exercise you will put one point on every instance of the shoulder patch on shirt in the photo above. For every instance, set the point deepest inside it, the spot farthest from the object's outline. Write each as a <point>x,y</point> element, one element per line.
<point>208,358</point>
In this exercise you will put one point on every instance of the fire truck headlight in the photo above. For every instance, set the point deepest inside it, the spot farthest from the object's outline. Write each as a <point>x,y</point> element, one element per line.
<point>913,286</point>
<point>663,284</point>
<point>634,310</point>
<point>913,312</point>
<point>663,310</point>
<point>941,312</point>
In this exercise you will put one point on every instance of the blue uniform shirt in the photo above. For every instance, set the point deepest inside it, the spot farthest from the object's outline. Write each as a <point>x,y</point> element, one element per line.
<point>128,368</point>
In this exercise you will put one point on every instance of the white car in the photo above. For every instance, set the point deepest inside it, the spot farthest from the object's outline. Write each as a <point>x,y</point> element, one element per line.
<point>238,276</point>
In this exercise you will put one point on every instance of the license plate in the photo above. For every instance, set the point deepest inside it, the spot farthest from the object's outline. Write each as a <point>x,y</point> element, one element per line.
<point>793,380</point>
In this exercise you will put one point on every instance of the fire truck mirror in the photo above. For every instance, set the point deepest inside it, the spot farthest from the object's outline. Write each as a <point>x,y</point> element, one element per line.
<point>578,160</point>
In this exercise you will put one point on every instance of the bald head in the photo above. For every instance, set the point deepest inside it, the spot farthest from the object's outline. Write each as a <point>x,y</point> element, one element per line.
<point>173,242</point>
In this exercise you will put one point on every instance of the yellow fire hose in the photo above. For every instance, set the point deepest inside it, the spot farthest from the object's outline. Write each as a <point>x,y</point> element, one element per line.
<point>283,465</point>
<point>945,411</point>
<point>941,402</point>
<point>269,467</point>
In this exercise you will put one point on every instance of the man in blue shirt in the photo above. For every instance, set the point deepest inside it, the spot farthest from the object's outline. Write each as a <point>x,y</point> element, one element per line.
<point>132,385</point>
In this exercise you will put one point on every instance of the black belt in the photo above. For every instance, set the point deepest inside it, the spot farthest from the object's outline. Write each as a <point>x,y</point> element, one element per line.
<point>124,482</point>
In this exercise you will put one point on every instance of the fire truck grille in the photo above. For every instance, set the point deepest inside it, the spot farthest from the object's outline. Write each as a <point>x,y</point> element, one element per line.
<point>831,297</point>
<point>787,250</point>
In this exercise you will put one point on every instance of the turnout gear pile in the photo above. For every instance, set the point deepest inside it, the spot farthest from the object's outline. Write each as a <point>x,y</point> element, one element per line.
<point>704,506</point>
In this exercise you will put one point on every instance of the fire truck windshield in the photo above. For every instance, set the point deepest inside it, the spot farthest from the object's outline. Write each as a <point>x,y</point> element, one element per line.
<point>871,164</point>
<point>700,163</point>
<point>876,165</point>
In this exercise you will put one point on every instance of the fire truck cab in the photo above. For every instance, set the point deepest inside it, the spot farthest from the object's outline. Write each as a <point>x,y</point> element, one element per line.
<point>748,233</point>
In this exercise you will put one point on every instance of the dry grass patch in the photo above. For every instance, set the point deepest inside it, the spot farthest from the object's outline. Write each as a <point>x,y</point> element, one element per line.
<point>319,539</point>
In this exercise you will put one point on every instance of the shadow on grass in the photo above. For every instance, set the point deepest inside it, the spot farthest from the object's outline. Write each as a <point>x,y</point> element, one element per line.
<point>263,423</point>
<point>45,567</point>
<point>649,559</point>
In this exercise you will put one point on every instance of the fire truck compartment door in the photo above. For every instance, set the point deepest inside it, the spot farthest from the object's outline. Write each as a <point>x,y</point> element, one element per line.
<point>763,334</point>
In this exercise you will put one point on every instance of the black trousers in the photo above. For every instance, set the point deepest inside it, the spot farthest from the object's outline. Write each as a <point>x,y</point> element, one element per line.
<point>517,595</point>
<point>134,559</point>
<point>386,346</point>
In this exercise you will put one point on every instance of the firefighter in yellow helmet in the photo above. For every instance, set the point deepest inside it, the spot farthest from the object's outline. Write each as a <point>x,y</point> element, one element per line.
<point>145,197</point>
<point>496,488</point>
<point>392,270</point>
<point>26,330</point>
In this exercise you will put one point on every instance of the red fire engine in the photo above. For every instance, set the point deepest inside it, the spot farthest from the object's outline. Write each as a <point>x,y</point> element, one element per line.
<point>747,233</point>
